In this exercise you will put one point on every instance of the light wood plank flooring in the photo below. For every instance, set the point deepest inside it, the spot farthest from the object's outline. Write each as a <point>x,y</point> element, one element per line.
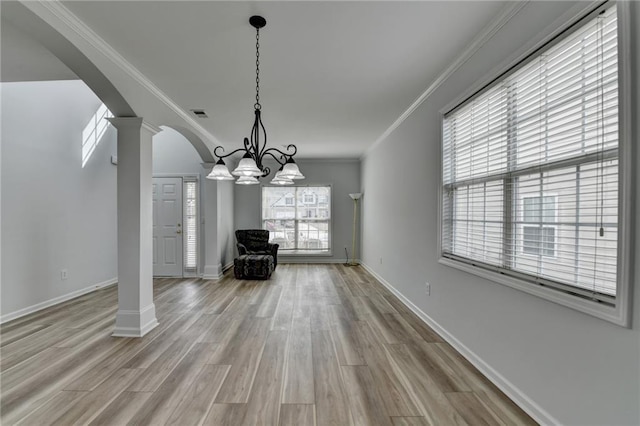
<point>314,345</point>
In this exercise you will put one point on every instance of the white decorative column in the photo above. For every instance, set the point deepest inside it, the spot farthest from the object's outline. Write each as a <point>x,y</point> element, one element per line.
<point>136,312</point>
<point>212,267</point>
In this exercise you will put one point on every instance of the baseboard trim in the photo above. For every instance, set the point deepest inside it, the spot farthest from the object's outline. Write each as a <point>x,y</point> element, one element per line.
<point>516,395</point>
<point>56,300</point>
<point>133,323</point>
<point>283,260</point>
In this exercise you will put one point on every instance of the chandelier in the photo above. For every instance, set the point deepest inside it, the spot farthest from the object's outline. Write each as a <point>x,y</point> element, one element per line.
<point>251,166</point>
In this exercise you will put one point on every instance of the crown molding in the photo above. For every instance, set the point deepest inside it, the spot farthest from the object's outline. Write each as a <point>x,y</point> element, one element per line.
<point>66,18</point>
<point>489,31</point>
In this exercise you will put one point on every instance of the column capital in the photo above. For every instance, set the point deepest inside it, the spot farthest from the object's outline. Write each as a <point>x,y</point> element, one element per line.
<point>134,123</point>
<point>125,122</point>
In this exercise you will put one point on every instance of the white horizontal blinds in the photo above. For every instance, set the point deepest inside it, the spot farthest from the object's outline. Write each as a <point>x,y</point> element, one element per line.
<point>530,167</point>
<point>190,225</point>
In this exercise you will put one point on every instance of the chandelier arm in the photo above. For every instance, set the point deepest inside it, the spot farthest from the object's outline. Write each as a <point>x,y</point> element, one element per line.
<point>282,153</point>
<point>282,156</point>
<point>264,131</point>
<point>220,156</point>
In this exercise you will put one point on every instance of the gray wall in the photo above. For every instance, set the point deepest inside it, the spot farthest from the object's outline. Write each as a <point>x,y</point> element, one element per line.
<point>226,230</point>
<point>55,214</point>
<point>343,175</point>
<point>578,369</point>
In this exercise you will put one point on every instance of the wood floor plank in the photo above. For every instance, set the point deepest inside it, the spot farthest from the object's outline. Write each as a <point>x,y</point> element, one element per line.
<point>472,409</point>
<point>397,399</point>
<point>298,382</point>
<point>44,360</point>
<point>263,407</point>
<point>173,389</point>
<point>89,406</point>
<point>269,302</point>
<point>412,319</point>
<point>433,403</point>
<point>410,421</point>
<point>226,415</point>
<point>55,406</point>
<point>284,311</point>
<point>243,353</point>
<point>122,409</point>
<point>447,376</point>
<point>331,400</point>
<point>486,391</point>
<point>154,374</point>
<point>347,348</point>
<point>198,400</point>
<point>38,388</point>
<point>118,359</point>
<point>13,354</point>
<point>365,401</point>
<point>297,415</point>
<point>16,334</point>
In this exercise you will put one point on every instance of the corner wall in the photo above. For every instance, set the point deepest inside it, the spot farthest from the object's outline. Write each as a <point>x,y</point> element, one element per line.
<point>55,214</point>
<point>563,366</point>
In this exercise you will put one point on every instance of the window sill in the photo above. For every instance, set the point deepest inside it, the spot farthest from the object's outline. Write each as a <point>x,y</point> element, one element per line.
<point>614,315</point>
<point>304,253</point>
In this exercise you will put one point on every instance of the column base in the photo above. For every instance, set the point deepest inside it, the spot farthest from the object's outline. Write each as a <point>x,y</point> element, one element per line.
<point>212,272</point>
<point>135,323</point>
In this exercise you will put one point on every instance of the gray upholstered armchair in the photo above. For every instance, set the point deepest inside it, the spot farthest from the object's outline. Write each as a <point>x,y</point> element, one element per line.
<point>256,241</point>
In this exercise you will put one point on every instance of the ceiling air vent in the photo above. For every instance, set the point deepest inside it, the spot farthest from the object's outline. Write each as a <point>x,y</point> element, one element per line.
<point>200,113</point>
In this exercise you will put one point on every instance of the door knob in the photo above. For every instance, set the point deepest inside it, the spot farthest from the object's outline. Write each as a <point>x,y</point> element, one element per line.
<point>179,231</point>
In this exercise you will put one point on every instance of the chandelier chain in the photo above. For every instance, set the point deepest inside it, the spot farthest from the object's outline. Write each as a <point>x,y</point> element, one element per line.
<point>257,105</point>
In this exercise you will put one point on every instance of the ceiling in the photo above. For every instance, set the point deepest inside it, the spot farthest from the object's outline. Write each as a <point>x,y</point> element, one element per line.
<point>25,59</point>
<point>334,75</point>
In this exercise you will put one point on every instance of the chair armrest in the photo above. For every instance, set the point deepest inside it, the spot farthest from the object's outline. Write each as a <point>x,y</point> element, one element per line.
<point>242,249</point>
<point>273,248</point>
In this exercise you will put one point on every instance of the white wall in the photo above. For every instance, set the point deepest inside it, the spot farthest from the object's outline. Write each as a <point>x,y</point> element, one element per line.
<point>174,154</point>
<point>226,231</point>
<point>55,214</point>
<point>563,365</point>
<point>343,175</point>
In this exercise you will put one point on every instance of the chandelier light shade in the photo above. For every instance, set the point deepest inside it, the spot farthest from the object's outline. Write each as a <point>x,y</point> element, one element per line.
<point>247,167</point>
<point>251,166</point>
<point>247,180</point>
<point>279,179</point>
<point>220,172</point>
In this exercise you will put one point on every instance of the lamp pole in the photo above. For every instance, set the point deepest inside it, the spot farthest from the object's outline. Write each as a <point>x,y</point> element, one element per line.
<point>355,198</point>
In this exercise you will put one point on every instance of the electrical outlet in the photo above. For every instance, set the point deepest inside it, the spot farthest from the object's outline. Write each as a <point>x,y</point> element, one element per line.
<point>428,289</point>
<point>63,274</point>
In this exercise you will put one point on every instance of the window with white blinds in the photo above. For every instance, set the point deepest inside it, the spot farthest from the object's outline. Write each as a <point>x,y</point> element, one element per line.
<point>530,168</point>
<point>190,225</point>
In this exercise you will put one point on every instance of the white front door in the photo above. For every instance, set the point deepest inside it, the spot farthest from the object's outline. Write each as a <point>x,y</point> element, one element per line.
<point>167,227</point>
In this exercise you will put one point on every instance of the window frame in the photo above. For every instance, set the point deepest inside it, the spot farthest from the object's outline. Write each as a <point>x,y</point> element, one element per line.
<point>522,224</point>
<point>620,313</point>
<point>306,253</point>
